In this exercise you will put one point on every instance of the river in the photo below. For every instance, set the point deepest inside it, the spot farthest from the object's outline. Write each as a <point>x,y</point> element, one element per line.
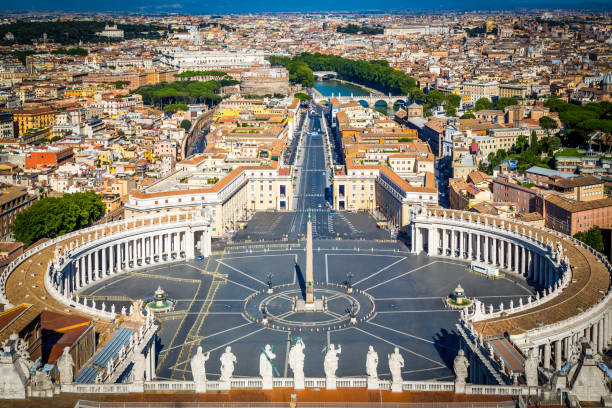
<point>335,87</point>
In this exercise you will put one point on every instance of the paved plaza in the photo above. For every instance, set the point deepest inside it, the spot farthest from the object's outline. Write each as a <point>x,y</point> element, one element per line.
<point>400,298</point>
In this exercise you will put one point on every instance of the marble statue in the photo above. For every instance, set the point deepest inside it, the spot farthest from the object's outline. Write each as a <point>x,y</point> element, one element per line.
<point>531,368</point>
<point>296,363</point>
<point>139,368</point>
<point>371,368</point>
<point>396,363</point>
<point>65,366</point>
<point>460,366</point>
<point>198,370</point>
<point>228,360</point>
<point>265,366</point>
<point>330,364</point>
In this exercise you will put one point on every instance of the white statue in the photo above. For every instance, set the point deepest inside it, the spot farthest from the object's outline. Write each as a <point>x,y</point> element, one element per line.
<point>265,366</point>
<point>65,366</point>
<point>330,364</point>
<point>396,363</point>
<point>296,363</point>
<point>198,369</point>
<point>531,368</point>
<point>460,366</point>
<point>139,368</point>
<point>228,359</point>
<point>371,368</point>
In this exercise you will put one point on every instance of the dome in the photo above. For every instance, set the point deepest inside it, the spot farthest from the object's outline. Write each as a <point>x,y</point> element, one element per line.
<point>607,80</point>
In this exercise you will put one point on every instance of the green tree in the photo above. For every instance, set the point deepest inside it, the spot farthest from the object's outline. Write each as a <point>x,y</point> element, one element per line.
<point>547,123</point>
<point>521,144</point>
<point>482,104</point>
<point>434,98</point>
<point>186,124</point>
<point>303,97</point>
<point>300,72</point>
<point>503,102</point>
<point>452,99</point>
<point>592,238</point>
<point>468,115</point>
<point>450,110</point>
<point>52,217</point>
<point>176,107</point>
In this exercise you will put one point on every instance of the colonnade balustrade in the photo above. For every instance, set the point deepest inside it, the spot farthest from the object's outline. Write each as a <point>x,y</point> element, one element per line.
<point>533,252</point>
<point>130,244</point>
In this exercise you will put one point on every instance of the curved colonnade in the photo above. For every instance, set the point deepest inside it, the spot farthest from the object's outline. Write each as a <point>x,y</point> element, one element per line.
<point>87,256</point>
<point>573,278</point>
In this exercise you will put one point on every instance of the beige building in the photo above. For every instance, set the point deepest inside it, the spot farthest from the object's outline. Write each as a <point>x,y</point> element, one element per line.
<point>229,200</point>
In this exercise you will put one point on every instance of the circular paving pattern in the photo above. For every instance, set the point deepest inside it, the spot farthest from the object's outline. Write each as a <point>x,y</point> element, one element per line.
<point>342,309</point>
<point>400,301</point>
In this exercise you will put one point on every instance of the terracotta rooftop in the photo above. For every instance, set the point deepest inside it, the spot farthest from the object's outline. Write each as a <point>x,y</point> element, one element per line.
<point>578,206</point>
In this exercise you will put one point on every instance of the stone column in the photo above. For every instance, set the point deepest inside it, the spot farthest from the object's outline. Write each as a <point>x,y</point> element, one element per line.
<point>486,249</point>
<point>606,329</point>
<point>558,355</point>
<point>502,253</point>
<point>600,336</point>
<point>494,251</point>
<point>430,241</point>
<point>151,248</point>
<point>103,250</point>
<point>478,246</point>
<point>547,350</point>
<point>413,239</point>
<point>96,263</point>
<point>90,269</point>
<point>83,270</point>
<point>566,347</point>
<point>516,259</point>
<point>453,242</point>
<point>470,238</point>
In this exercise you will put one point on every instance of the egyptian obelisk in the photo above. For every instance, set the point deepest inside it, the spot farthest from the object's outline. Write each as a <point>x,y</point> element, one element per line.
<point>309,274</point>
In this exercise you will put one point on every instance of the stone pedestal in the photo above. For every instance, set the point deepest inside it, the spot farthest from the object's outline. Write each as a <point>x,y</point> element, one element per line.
<point>330,383</point>
<point>397,386</point>
<point>373,384</point>
<point>298,383</point>
<point>267,383</point>
<point>459,387</point>
<point>200,387</point>
<point>225,385</point>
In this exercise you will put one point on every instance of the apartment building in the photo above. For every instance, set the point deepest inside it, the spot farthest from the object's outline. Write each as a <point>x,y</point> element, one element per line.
<point>13,200</point>
<point>569,216</point>
<point>378,188</point>
<point>33,118</point>
<point>477,90</point>
<point>229,198</point>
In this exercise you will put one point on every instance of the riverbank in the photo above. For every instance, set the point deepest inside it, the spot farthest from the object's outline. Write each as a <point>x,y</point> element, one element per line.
<point>370,90</point>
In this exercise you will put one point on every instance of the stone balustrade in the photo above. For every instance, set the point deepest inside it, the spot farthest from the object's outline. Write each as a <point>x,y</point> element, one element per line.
<point>541,256</point>
<point>112,248</point>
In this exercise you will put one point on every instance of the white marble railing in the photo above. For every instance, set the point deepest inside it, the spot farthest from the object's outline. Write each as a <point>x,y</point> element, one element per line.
<point>472,224</point>
<point>486,313</point>
<point>122,230</point>
<point>10,268</point>
<point>284,382</point>
<point>126,356</point>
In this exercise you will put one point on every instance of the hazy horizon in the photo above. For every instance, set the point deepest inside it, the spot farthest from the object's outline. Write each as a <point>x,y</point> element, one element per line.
<point>259,6</point>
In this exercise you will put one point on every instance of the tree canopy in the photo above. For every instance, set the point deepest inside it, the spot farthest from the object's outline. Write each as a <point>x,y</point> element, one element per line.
<point>483,104</point>
<point>186,124</point>
<point>72,31</point>
<point>181,92</point>
<point>303,97</point>
<point>582,122</point>
<point>357,29</point>
<point>373,74</point>
<point>52,217</point>
<point>592,238</point>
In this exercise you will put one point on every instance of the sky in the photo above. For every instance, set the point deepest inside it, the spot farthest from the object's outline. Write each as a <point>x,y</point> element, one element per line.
<point>254,6</point>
